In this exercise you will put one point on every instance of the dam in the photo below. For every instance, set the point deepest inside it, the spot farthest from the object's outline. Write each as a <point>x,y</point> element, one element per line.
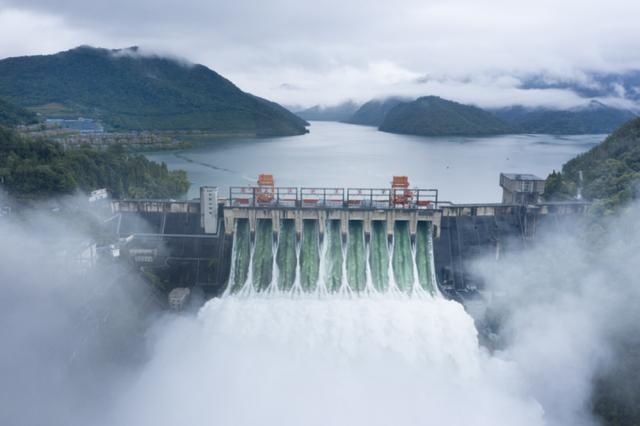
<point>314,240</point>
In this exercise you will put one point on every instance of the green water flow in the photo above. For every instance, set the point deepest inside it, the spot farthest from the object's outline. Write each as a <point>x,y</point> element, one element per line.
<point>334,254</point>
<point>423,256</point>
<point>402,256</point>
<point>242,251</point>
<point>356,256</point>
<point>309,255</point>
<point>263,255</point>
<point>296,264</point>
<point>379,256</point>
<point>286,257</point>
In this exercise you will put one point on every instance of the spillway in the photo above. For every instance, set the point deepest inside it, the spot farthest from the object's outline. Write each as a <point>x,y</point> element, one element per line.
<point>241,256</point>
<point>287,258</point>
<point>262,257</point>
<point>334,257</point>
<point>302,261</point>
<point>310,256</point>
<point>402,258</point>
<point>356,257</point>
<point>379,257</point>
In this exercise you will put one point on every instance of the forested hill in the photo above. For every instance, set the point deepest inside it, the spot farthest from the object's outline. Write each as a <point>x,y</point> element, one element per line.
<point>373,112</point>
<point>595,117</point>
<point>611,170</point>
<point>434,116</point>
<point>127,90</point>
<point>32,169</point>
<point>12,115</point>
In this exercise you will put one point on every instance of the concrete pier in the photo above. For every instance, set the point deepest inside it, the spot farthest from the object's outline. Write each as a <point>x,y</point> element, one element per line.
<point>276,214</point>
<point>325,204</point>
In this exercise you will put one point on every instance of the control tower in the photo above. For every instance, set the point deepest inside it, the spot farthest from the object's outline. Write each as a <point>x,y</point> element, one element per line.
<point>522,189</point>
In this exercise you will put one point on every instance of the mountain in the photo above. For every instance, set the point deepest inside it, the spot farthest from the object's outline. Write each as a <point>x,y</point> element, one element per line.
<point>434,116</point>
<point>593,118</point>
<point>610,170</point>
<point>373,112</point>
<point>128,90</point>
<point>341,112</point>
<point>12,115</point>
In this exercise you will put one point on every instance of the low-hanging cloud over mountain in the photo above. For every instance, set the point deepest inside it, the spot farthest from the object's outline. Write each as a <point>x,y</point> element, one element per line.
<point>479,52</point>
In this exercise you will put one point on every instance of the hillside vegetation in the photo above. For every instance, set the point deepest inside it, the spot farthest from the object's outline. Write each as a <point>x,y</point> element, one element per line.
<point>595,118</point>
<point>611,170</point>
<point>592,118</point>
<point>373,112</point>
<point>434,116</point>
<point>130,91</point>
<point>12,115</point>
<point>38,169</point>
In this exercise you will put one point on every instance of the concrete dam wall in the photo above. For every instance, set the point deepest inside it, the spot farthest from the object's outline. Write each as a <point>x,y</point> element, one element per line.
<point>167,242</point>
<point>346,247</point>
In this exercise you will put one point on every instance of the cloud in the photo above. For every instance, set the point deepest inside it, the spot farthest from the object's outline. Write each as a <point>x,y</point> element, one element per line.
<point>375,46</point>
<point>69,333</point>
<point>31,33</point>
<point>144,52</point>
<point>566,307</point>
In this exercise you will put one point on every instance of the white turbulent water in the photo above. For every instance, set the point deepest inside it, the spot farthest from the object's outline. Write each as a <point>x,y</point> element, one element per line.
<point>276,360</point>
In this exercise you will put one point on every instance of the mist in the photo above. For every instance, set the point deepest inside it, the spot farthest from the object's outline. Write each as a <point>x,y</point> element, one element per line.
<point>71,332</point>
<point>567,307</point>
<point>88,345</point>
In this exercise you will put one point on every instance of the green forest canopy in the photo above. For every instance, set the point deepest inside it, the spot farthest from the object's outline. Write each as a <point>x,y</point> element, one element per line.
<point>434,116</point>
<point>610,170</point>
<point>12,115</point>
<point>38,168</point>
<point>129,91</point>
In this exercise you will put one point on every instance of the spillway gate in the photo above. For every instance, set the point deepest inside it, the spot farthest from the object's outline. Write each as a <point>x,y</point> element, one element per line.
<point>323,205</point>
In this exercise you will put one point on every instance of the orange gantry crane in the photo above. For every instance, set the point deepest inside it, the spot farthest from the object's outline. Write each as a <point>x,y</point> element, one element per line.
<point>266,189</point>
<point>400,192</point>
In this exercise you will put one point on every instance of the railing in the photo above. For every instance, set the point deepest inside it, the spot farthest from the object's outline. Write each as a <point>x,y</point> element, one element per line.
<point>286,196</point>
<point>241,196</point>
<point>368,198</point>
<point>416,198</point>
<point>322,197</point>
<point>250,196</point>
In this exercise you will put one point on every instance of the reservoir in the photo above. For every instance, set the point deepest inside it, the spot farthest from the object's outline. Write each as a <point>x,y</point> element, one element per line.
<point>463,169</point>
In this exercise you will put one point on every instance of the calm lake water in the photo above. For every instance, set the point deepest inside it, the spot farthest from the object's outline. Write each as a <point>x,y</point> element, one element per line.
<point>465,170</point>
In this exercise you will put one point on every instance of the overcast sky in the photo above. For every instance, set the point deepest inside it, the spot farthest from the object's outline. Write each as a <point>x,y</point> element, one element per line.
<point>302,52</point>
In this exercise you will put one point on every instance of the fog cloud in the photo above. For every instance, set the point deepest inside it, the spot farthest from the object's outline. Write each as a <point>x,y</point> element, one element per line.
<point>567,310</point>
<point>70,333</point>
